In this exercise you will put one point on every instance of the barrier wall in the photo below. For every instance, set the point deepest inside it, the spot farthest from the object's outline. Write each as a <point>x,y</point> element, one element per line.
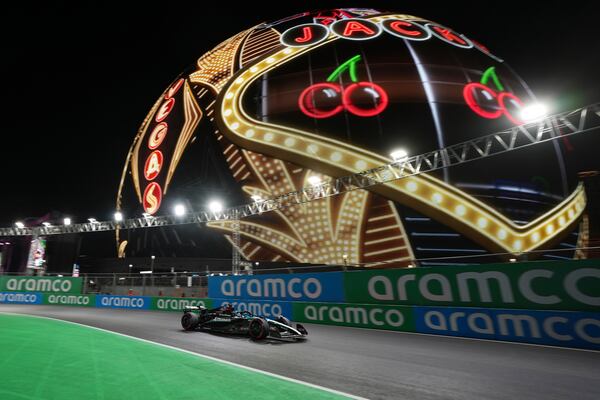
<point>573,285</point>
<point>40,284</point>
<point>551,303</point>
<point>324,286</point>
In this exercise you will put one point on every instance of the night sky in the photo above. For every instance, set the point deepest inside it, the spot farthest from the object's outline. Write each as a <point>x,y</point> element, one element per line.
<point>79,79</point>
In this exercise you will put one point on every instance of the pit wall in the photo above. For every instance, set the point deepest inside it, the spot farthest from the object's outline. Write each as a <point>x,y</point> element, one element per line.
<point>551,303</point>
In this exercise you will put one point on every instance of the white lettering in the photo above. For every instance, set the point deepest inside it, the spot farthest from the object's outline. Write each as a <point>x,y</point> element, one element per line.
<point>549,328</point>
<point>581,332</point>
<point>310,312</point>
<point>227,287</point>
<point>517,323</point>
<point>401,285</point>
<point>446,294</point>
<point>483,286</point>
<point>527,292</point>
<point>488,327</point>
<point>317,288</point>
<point>254,288</point>
<point>373,316</point>
<point>387,287</point>
<point>291,289</point>
<point>399,318</point>
<point>335,314</point>
<point>441,321</point>
<point>571,285</point>
<point>454,320</point>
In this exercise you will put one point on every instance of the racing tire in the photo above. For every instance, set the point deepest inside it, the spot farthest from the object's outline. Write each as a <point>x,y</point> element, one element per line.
<point>189,321</point>
<point>258,329</point>
<point>284,320</point>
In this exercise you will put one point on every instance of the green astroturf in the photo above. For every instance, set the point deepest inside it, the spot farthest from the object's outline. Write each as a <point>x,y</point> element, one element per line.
<point>49,359</point>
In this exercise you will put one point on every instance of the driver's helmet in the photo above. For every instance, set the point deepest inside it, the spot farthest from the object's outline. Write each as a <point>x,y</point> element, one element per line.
<point>228,309</point>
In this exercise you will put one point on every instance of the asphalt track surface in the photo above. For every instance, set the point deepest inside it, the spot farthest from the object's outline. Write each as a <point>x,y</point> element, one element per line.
<point>369,363</point>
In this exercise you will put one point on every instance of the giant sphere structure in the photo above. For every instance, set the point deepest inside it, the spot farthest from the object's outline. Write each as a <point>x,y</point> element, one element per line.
<point>332,93</point>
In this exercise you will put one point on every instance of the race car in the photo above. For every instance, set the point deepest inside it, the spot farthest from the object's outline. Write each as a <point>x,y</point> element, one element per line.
<point>225,319</point>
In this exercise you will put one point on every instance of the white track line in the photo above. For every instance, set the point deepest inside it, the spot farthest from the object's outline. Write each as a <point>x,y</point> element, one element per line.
<point>285,378</point>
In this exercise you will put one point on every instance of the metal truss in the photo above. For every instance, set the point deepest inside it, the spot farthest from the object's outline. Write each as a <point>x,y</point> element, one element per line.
<point>550,128</point>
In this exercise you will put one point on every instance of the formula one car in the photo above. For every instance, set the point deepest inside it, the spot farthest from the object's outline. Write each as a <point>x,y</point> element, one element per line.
<point>225,319</point>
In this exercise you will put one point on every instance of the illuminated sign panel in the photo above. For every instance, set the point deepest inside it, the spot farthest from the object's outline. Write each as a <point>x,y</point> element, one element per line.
<point>332,93</point>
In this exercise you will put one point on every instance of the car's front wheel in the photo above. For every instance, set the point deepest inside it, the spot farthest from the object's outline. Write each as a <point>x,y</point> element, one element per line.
<point>189,321</point>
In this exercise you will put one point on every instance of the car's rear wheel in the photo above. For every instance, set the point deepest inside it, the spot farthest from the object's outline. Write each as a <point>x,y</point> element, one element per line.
<point>258,329</point>
<point>189,321</point>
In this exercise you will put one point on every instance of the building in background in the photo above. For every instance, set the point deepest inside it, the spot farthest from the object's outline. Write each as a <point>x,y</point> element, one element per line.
<point>284,105</point>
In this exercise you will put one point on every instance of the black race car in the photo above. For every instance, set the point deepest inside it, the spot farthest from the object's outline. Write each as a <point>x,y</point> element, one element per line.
<point>225,319</point>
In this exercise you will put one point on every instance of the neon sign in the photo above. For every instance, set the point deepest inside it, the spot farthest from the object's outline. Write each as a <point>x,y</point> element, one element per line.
<point>487,103</point>
<point>152,196</point>
<point>153,165</point>
<point>326,99</point>
<point>363,29</point>
<point>355,29</point>
<point>406,29</point>
<point>158,134</point>
<point>304,35</point>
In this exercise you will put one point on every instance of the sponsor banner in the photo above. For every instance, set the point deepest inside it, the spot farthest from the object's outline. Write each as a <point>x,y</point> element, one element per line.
<point>573,285</point>
<point>558,328</point>
<point>81,300</point>
<point>269,309</point>
<point>325,286</point>
<point>397,318</point>
<point>21,298</point>
<point>130,302</point>
<point>178,303</point>
<point>40,284</point>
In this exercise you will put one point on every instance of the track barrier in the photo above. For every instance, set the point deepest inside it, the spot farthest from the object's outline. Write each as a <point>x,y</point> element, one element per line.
<point>550,303</point>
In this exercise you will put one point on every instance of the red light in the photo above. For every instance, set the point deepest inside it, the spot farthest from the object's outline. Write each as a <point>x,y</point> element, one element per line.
<point>502,98</point>
<point>449,36</point>
<point>307,102</point>
<point>379,99</point>
<point>468,94</point>
<point>158,134</point>
<point>396,25</point>
<point>307,35</point>
<point>174,89</point>
<point>355,26</point>
<point>153,165</point>
<point>165,109</point>
<point>152,198</point>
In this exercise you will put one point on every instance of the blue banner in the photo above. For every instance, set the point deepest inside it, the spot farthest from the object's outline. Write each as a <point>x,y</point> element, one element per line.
<point>130,302</point>
<point>269,309</point>
<point>319,287</point>
<point>21,298</point>
<point>557,328</point>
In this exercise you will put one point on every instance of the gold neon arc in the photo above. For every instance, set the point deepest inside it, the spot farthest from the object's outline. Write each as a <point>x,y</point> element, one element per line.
<point>424,192</point>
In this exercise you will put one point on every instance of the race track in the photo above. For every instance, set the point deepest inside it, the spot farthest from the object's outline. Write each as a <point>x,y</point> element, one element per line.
<point>373,364</point>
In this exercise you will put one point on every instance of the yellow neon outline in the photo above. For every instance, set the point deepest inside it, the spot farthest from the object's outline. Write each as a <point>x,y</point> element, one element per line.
<point>500,234</point>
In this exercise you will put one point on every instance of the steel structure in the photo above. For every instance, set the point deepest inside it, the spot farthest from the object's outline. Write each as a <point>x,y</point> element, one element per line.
<point>550,128</point>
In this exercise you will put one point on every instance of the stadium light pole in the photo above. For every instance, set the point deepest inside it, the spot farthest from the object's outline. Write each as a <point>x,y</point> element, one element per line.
<point>314,180</point>
<point>534,112</point>
<point>215,206</point>
<point>152,257</point>
<point>399,154</point>
<point>179,210</point>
